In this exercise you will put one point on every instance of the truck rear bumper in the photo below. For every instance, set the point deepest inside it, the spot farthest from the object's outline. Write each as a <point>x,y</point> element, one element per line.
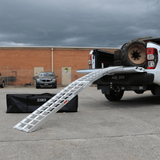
<point>138,82</point>
<point>134,79</point>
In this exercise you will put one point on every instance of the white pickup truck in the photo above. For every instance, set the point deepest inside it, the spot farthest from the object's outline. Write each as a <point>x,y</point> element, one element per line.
<point>139,68</point>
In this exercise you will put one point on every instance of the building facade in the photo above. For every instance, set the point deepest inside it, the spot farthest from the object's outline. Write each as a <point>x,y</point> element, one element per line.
<point>20,65</point>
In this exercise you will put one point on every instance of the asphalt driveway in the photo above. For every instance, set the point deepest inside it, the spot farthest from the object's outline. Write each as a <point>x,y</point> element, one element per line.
<point>100,130</point>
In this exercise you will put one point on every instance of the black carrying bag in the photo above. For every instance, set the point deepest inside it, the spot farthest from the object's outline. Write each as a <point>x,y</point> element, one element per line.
<point>27,103</point>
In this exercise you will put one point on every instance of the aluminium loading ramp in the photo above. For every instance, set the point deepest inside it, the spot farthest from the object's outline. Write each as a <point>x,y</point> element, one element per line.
<point>39,116</point>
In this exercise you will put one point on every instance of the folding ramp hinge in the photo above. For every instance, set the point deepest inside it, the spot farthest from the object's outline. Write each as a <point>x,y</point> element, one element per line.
<point>39,116</point>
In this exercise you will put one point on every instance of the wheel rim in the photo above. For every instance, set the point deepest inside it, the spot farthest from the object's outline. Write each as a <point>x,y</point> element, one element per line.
<point>137,54</point>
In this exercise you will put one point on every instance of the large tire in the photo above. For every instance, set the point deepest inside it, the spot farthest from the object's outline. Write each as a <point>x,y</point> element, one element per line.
<point>133,53</point>
<point>117,63</point>
<point>117,54</point>
<point>114,96</point>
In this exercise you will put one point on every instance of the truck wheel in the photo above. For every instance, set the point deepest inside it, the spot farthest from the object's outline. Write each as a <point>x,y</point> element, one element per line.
<point>114,96</point>
<point>117,63</point>
<point>134,53</point>
<point>153,91</point>
<point>117,54</point>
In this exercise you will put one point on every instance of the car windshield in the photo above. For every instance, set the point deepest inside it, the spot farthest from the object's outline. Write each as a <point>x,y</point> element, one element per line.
<point>46,75</point>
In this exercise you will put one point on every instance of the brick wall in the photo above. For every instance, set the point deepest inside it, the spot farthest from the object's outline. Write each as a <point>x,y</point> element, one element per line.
<point>17,64</point>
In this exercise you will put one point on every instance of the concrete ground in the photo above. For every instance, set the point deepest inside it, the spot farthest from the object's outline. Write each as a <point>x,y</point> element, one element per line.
<point>100,130</point>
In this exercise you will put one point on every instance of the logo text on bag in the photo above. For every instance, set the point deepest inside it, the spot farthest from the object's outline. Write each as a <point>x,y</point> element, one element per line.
<point>41,100</point>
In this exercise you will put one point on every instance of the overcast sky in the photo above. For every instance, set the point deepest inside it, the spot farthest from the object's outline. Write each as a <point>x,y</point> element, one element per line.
<point>80,23</point>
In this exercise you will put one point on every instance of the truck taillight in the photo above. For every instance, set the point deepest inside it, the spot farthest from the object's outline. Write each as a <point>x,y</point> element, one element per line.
<point>152,58</point>
<point>90,61</point>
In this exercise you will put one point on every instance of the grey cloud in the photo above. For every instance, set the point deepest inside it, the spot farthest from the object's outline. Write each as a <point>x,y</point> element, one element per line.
<point>91,23</point>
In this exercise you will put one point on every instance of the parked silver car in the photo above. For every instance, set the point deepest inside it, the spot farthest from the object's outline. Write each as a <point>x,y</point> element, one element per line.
<point>46,79</point>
